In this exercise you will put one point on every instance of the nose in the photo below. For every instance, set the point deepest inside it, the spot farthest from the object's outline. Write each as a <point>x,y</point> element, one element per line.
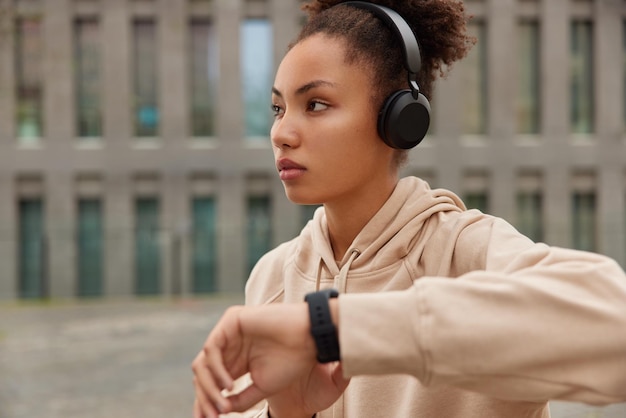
<point>284,132</point>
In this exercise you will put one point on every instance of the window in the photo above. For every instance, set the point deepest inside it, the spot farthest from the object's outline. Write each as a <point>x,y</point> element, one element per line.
<point>475,83</point>
<point>584,227</point>
<point>476,190</point>
<point>581,82</point>
<point>257,69</point>
<point>31,249</point>
<point>530,214</point>
<point>528,87</point>
<point>29,82</point>
<point>477,200</point>
<point>259,228</point>
<point>87,78</point>
<point>147,252</point>
<point>204,245</point>
<point>204,77</point>
<point>624,68</point>
<point>90,247</point>
<point>307,212</point>
<point>146,110</point>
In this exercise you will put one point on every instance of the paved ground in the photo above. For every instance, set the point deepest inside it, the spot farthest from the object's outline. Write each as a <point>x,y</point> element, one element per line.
<point>120,359</point>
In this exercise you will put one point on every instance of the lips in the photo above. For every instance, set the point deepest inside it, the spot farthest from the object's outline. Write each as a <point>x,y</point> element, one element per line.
<point>287,164</point>
<point>289,170</point>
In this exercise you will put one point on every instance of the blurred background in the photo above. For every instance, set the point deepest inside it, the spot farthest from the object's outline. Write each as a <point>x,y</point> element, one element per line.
<point>135,163</point>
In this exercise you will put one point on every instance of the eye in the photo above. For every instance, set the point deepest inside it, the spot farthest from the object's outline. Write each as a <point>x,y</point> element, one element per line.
<point>317,106</point>
<point>277,110</point>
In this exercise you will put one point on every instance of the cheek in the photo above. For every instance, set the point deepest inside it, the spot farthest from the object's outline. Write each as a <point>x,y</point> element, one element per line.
<point>355,130</point>
<point>348,139</point>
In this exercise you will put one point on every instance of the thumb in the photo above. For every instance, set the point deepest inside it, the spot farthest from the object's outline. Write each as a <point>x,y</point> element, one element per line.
<point>246,399</point>
<point>338,378</point>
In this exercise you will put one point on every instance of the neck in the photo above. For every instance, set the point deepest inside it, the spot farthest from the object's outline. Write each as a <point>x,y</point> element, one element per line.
<point>348,217</point>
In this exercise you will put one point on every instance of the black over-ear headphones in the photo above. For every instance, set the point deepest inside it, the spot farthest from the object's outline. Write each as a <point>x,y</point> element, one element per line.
<point>405,116</point>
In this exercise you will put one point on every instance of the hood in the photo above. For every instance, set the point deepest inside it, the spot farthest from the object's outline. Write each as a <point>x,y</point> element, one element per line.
<point>387,237</point>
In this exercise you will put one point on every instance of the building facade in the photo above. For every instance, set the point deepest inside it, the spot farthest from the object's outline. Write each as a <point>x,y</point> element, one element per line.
<point>134,149</point>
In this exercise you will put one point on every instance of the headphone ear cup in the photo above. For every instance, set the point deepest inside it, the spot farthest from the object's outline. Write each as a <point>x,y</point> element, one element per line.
<point>403,121</point>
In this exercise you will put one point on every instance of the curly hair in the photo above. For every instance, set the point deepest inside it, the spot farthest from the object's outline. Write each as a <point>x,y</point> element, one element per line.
<point>439,26</point>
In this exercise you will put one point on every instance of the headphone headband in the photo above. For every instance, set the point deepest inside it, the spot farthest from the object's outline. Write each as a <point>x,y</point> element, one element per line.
<point>396,23</point>
<point>404,118</point>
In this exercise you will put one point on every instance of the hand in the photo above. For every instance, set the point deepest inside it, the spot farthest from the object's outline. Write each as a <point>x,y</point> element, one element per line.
<point>273,343</point>
<point>313,393</point>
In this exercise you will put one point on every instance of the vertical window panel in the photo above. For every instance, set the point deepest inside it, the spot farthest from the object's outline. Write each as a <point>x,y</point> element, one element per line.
<point>581,78</point>
<point>204,77</point>
<point>90,247</point>
<point>306,213</point>
<point>257,72</point>
<point>584,220</point>
<point>475,83</point>
<point>29,82</point>
<point>147,252</point>
<point>624,70</point>
<point>31,262</point>
<point>88,78</point>
<point>259,228</point>
<point>146,109</point>
<point>530,215</point>
<point>204,254</point>
<point>477,200</point>
<point>528,109</point>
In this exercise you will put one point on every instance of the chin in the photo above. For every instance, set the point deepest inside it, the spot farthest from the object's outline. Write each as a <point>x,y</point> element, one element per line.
<point>300,197</point>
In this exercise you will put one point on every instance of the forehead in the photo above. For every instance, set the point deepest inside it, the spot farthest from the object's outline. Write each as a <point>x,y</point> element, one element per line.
<point>316,57</point>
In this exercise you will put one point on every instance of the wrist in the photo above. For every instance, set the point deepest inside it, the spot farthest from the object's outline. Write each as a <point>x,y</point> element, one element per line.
<point>333,304</point>
<point>271,413</point>
<point>322,326</point>
<point>283,405</point>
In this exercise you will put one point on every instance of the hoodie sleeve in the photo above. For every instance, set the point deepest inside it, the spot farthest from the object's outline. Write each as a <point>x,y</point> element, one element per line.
<point>537,323</point>
<point>261,413</point>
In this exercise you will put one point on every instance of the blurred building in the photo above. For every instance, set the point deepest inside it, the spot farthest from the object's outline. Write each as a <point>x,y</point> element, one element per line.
<point>134,150</point>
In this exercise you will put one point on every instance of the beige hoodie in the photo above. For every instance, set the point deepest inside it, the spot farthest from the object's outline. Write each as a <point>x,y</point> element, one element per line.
<point>521,323</point>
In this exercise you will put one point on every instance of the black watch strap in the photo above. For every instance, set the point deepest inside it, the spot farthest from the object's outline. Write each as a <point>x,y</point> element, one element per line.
<point>323,330</point>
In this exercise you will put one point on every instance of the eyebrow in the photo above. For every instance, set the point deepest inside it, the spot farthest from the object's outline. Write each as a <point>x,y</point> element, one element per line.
<point>308,86</point>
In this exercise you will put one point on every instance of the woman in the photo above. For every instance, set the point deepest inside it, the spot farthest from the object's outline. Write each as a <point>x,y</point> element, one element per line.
<point>443,312</point>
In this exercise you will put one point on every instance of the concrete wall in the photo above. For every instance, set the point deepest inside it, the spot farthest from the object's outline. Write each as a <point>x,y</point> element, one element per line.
<point>119,167</point>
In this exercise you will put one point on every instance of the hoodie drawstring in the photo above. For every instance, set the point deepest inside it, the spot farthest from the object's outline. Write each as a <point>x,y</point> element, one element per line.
<point>341,281</point>
<point>318,276</point>
<point>342,278</point>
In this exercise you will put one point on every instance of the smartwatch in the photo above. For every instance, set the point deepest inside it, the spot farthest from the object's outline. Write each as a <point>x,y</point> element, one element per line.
<point>323,330</point>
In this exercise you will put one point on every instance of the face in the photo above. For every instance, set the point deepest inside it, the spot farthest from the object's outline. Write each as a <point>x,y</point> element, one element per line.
<point>324,135</point>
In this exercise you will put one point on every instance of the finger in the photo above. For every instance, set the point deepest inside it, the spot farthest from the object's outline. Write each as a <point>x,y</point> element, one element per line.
<point>338,378</point>
<point>215,362</point>
<point>207,389</point>
<point>246,399</point>
<point>197,410</point>
<point>202,405</point>
<point>211,391</point>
